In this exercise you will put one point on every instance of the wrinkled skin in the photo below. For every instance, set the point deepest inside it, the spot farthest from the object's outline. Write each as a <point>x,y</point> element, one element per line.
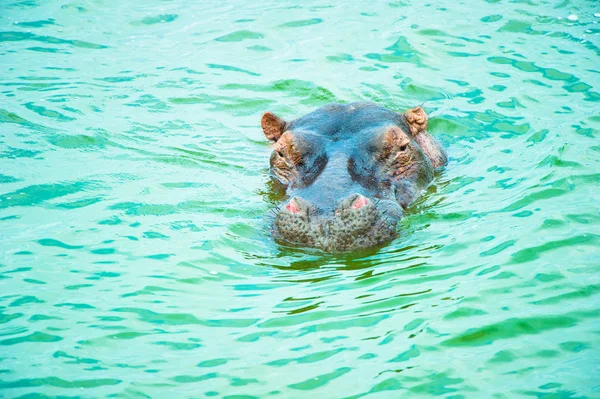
<point>350,170</point>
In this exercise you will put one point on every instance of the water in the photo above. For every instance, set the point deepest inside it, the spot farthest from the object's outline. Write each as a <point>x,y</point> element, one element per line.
<point>135,256</point>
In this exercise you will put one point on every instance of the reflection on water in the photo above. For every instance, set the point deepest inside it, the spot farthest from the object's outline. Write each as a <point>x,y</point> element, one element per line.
<point>136,259</point>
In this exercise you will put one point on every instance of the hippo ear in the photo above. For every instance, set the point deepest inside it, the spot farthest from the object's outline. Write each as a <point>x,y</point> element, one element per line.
<point>416,121</point>
<point>273,126</point>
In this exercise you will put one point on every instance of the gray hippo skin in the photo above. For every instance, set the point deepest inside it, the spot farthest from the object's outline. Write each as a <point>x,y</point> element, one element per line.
<point>350,170</point>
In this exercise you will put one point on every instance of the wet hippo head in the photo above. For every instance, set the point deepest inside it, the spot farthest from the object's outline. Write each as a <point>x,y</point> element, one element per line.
<point>349,171</point>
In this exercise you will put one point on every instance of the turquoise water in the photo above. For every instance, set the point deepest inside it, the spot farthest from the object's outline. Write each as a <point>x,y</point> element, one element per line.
<point>135,254</point>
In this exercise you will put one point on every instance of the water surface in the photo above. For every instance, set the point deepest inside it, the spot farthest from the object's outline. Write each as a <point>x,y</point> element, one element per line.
<point>135,255</point>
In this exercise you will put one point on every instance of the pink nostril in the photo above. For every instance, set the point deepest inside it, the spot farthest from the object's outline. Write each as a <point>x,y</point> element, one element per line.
<point>292,207</point>
<point>360,202</point>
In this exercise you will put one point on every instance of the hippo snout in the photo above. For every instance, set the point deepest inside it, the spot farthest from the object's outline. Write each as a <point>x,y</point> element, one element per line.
<point>356,222</point>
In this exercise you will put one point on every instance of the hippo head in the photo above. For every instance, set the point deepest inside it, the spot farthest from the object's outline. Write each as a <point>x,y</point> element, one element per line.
<point>350,170</point>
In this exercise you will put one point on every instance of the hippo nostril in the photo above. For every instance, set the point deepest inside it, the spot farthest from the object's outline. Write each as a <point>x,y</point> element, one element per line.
<point>293,207</point>
<point>360,202</point>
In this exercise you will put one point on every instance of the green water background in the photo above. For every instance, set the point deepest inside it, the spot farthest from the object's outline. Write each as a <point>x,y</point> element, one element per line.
<point>135,256</point>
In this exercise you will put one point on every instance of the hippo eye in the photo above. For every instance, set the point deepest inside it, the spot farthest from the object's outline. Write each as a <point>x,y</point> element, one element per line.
<point>403,147</point>
<point>279,153</point>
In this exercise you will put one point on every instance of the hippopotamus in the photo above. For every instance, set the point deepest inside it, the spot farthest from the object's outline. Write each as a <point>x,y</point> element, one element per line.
<point>349,171</point>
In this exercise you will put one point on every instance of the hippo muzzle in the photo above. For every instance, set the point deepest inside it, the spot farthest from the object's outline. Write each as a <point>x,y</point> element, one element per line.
<point>357,222</point>
<point>349,172</point>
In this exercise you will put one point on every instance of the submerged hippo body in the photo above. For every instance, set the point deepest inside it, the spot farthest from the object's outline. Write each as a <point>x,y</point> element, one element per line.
<point>350,170</point>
